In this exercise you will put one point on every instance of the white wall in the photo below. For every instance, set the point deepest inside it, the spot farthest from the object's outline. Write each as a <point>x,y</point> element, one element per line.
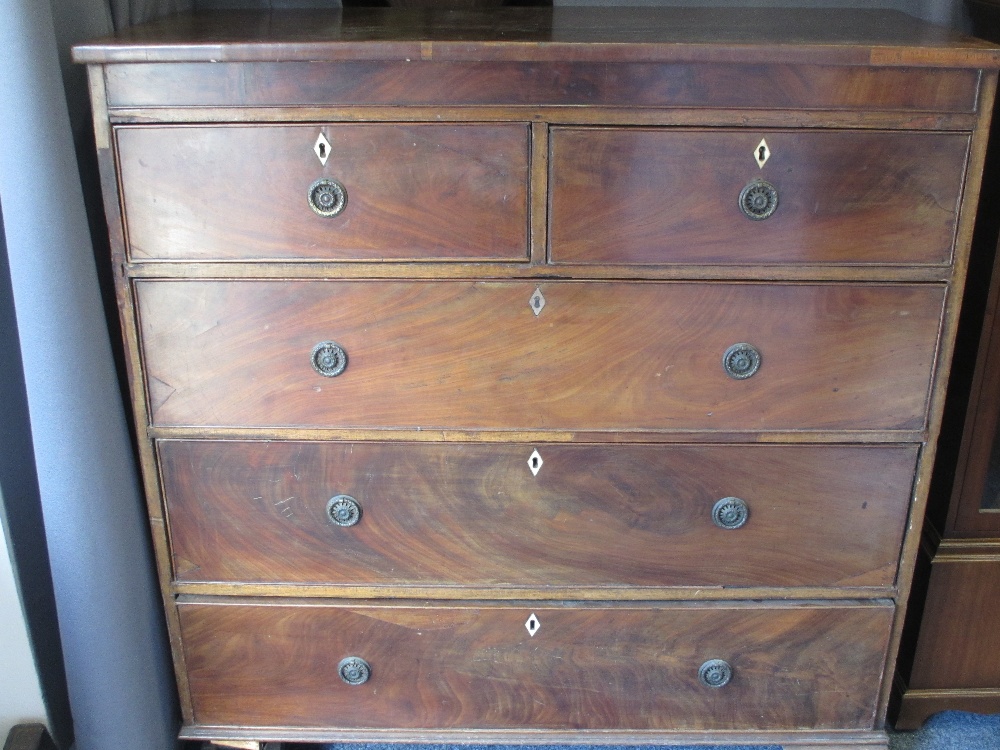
<point>20,696</point>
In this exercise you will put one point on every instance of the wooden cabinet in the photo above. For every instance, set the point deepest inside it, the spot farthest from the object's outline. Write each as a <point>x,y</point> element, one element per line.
<point>950,658</point>
<point>543,375</point>
<point>953,659</point>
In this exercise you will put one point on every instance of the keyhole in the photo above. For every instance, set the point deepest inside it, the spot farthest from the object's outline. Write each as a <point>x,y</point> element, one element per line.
<point>761,153</point>
<point>536,302</point>
<point>535,462</point>
<point>532,625</point>
<point>322,149</point>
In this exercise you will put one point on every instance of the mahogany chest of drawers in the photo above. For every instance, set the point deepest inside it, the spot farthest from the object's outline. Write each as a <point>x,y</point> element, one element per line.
<point>539,375</point>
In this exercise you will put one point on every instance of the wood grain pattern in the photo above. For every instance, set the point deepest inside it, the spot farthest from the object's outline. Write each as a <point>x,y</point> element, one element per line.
<point>975,466</point>
<point>435,270</point>
<point>743,35</point>
<point>952,641</point>
<point>545,115</point>
<point>835,739</point>
<point>920,705</point>
<point>963,267</point>
<point>601,356</point>
<point>960,620</point>
<point>451,376</point>
<point>418,191</point>
<point>442,83</point>
<point>135,377</point>
<point>668,196</point>
<point>475,666</point>
<point>474,515</point>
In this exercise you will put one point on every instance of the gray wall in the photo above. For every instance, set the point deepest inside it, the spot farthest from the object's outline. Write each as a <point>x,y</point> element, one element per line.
<point>31,589</point>
<point>108,612</point>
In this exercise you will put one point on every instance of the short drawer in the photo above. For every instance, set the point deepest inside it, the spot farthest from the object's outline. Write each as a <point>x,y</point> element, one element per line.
<point>791,666</point>
<point>644,196</point>
<point>496,516</point>
<point>597,356</point>
<point>412,191</point>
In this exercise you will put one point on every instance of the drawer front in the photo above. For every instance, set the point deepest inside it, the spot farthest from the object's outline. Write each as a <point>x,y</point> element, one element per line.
<point>672,196</point>
<point>476,666</point>
<point>495,82</point>
<point>463,515</point>
<point>423,192</point>
<point>599,356</point>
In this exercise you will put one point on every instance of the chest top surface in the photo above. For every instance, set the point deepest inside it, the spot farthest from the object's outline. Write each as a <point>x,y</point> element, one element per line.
<point>571,34</point>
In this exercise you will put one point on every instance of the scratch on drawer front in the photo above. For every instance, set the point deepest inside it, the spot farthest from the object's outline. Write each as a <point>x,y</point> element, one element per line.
<point>284,508</point>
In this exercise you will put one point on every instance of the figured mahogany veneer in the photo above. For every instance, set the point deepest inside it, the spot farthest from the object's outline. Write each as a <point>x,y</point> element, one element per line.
<point>666,196</point>
<point>540,266</point>
<point>476,666</point>
<point>414,192</point>
<point>600,356</point>
<point>970,588</point>
<point>443,83</point>
<point>475,515</point>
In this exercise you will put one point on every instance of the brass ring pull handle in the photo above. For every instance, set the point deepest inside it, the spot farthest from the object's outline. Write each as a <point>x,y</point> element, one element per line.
<point>327,197</point>
<point>329,359</point>
<point>343,510</point>
<point>715,673</point>
<point>758,200</point>
<point>741,361</point>
<point>354,670</point>
<point>730,513</point>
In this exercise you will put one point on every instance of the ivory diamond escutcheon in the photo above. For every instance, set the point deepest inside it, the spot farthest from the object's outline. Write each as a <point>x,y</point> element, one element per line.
<point>532,624</point>
<point>537,302</point>
<point>535,462</point>
<point>762,153</point>
<point>322,148</point>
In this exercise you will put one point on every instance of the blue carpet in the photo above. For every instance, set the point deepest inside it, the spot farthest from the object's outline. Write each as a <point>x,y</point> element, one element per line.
<point>951,730</point>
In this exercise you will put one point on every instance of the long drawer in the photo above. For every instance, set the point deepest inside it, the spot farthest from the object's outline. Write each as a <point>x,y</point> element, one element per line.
<point>410,191</point>
<point>668,196</point>
<point>478,666</point>
<point>594,356</point>
<point>546,516</point>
